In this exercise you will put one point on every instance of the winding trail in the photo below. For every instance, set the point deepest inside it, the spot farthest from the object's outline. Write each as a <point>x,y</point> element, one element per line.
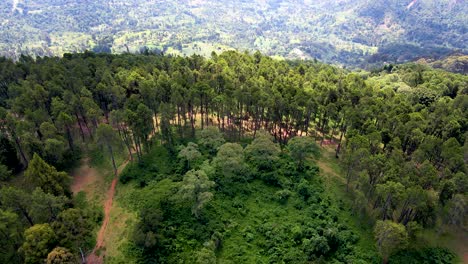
<point>86,178</point>
<point>93,258</point>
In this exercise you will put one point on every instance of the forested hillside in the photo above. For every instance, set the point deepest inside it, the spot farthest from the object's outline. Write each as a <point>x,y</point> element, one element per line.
<point>347,32</point>
<point>229,157</point>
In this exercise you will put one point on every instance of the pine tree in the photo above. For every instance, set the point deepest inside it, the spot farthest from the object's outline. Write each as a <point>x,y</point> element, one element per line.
<point>40,174</point>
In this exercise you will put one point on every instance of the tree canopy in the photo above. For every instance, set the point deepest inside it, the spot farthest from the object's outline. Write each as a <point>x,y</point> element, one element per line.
<point>399,135</point>
<point>40,174</point>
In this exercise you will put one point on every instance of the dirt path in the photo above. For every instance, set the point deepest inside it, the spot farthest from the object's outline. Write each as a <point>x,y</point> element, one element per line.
<point>84,177</point>
<point>328,151</point>
<point>87,179</point>
<point>93,258</point>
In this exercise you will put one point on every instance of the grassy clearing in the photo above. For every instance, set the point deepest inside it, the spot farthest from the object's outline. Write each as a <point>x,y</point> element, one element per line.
<point>88,180</point>
<point>335,186</point>
<point>452,238</point>
<point>123,215</point>
<point>102,162</point>
<point>95,173</point>
<point>118,233</point>
<point>93,179</point>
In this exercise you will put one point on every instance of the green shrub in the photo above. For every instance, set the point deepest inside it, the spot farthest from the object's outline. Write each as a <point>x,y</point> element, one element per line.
<point>304,189</point>
<point>282,196</point>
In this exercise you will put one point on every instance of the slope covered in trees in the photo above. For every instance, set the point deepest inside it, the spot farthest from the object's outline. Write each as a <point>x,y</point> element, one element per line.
<point>339,31</point>
<point>231,171</point>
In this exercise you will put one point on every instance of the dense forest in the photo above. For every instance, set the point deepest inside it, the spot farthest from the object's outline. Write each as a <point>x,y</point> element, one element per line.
<point>346,32</point>
<point>225,159</point>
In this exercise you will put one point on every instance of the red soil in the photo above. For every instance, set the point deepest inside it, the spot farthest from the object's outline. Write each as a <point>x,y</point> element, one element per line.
<point>93,258</point>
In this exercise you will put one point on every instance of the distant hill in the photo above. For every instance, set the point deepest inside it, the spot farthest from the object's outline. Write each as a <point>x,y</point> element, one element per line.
<point>347,32</point>
<point>456,64</point>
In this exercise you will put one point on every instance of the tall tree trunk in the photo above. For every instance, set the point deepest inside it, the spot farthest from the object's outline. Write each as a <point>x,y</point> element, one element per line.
<point>184,115</point>
<point>202,113</point>
<point>222,122</point>
<point>85,120</point>
<point>179,122</point>
<point>112,157</point>
<point>70,139</point>
<point>137,148</point>
<point>386,204</point>
<point>240,118</point>
<point>81,127</point>
<point>25,213</point>
<point>325,121</point>
<point>127,141</point>
<point>207,113</point>
<point>338,148</point>
<point>20,149</point>
<point>192,121</point>
<point>307,122</point>
<point>256,121</point>
<point>348,177</point>
<point>156,121</point>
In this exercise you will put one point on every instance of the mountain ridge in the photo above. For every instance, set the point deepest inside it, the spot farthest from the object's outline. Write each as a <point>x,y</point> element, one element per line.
<point>341,32</point>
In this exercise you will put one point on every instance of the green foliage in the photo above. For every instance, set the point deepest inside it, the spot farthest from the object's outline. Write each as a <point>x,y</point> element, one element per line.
<point>61,255</point>
<point>5,173</point>
<point>301,148</point>
<point>156,165</point>
<point>146,232</point>
<point>33,208</point>
<point>390,237</point>
<point>10,235</point>
<point>230,165</point>
<point>262,153</point>
<point>447,191</point>
<point>304,189</point>
<point>106,135</point>
<point>54,150</point>
<point>91,211</point>
<point>205,255</point>
<point>166,129</point>
<point>40,211</point>
<point>40,174</point>
<point>73,229</point>
<point>399,134</point>
<point>195,189</point>
<point>140,119</point>
<point>189,154</point>
<point>107,138</point>
<point>210,139</point>
<point>45,207</point>
<point>243,225</point>
<point>8,155</point>
<point>40,239</point>
<point>283,195</point>
<point>456,210</point>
